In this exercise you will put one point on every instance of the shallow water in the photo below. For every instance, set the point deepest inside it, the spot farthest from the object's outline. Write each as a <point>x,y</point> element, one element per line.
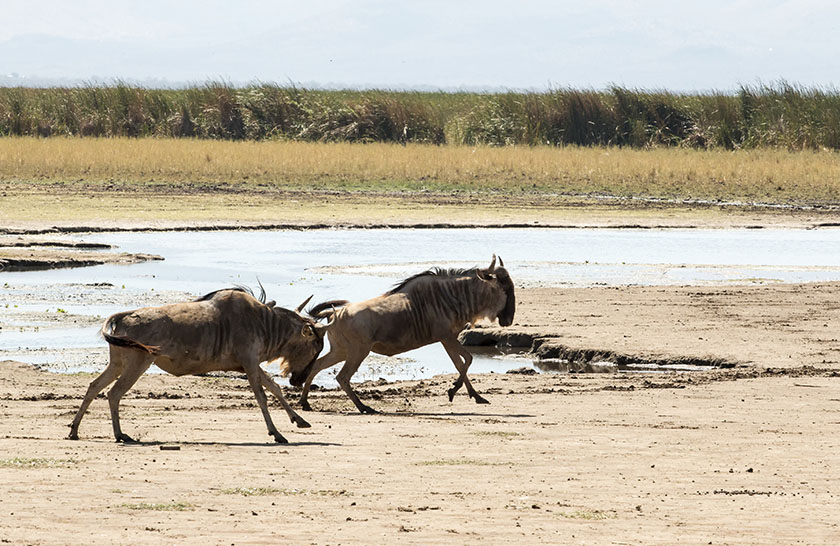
<point>357,264</point>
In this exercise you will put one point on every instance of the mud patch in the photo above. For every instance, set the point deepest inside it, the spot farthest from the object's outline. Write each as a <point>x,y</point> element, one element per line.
<point>33,254</point>
<point>552,356</point>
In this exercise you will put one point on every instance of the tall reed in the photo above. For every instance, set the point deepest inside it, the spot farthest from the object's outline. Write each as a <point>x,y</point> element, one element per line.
<point>780,115</point>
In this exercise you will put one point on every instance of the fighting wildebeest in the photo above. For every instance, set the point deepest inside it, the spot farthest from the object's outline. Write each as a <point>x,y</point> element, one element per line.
<point>225,330</point>
<point>433,306</point>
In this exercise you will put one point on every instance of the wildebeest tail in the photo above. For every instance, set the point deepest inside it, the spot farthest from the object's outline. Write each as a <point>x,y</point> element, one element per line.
<point>325,309</point>
<point>122,341</point>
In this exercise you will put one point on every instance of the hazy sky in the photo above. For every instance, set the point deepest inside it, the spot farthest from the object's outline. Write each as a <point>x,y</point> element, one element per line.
<point>441,44</point>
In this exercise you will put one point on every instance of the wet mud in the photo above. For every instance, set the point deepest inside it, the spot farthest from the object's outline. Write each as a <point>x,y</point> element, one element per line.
<point>31,253</point>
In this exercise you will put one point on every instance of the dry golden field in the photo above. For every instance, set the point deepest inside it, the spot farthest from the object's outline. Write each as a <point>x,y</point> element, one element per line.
<point>776,176</point>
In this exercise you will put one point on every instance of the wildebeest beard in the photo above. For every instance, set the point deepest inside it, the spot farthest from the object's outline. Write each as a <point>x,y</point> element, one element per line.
<point>299,376</point>
<point>506,314</point>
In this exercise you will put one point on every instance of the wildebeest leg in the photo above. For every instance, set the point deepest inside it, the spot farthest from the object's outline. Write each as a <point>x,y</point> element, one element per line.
<point>105,378</point>
<point>254,373</point>
<point>462,360</point>
<point>350,366</point>
<point>278,392</point>
<point>136,363</point>
<point>330,359</point>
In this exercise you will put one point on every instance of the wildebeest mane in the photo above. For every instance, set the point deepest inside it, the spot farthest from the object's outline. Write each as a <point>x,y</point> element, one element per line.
<point>442,272</point>
<point>236,288</point>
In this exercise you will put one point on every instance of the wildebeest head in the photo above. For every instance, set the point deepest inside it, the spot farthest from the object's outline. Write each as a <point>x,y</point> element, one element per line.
<point>501,277</point>
<point>303,348</point>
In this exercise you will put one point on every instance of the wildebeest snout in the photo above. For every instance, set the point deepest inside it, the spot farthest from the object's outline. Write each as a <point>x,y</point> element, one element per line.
<point>296,380</point>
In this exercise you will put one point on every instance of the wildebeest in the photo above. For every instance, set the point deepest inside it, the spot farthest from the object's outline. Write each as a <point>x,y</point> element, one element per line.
<point>225,330</point>
<point>433,306</point>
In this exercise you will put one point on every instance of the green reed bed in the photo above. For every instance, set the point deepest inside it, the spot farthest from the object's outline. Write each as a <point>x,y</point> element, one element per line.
<point>780,115</point>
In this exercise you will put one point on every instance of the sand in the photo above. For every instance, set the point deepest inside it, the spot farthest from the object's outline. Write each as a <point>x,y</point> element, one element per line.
<point>744,455</point>
<point>747,454</point>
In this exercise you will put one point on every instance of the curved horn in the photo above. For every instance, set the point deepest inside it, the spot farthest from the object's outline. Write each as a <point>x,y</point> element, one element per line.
<point>492,265</point>
<point>302,305</point>
<point>501,263</point>
<point>322,328</point>
<point>262,291</point>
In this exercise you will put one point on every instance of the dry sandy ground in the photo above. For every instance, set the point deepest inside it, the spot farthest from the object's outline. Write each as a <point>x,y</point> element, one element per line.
<point>48,208</point>
<point>586,459</point>
<point>746,455</point>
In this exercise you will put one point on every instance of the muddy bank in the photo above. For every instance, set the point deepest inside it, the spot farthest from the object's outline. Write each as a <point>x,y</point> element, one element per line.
<point>30,253</point>
<point>546,349</point>
<point>775,325</point>
<point>90,207</point>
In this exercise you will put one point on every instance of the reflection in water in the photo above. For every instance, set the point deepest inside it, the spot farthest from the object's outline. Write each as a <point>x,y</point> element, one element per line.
<point>563,365</point>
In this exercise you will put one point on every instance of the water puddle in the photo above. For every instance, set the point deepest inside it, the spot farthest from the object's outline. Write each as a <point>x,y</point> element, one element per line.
<point>38,308</point>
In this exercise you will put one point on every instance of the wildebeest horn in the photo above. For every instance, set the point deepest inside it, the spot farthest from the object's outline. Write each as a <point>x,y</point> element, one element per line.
<point>492,265</point>
<point>302,305</point>
<point>322,328</point>
<point>501,263</point>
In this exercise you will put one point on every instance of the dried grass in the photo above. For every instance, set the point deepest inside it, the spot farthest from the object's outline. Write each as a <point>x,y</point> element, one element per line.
<point>767,175</point>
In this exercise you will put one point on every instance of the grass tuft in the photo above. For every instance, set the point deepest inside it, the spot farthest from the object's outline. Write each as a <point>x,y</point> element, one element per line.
<point>26,462</point>
<point>590,514</point>
<point>460,462</point>
<point>497,433</point>
<point>266,491</point>
<point>252,491</point>
<point>159,506</point>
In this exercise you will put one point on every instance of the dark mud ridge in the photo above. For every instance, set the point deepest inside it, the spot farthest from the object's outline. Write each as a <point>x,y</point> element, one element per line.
<point>324,226</point>
<point>36,263</point>
<point>550,348</point>
<point>23,255</point>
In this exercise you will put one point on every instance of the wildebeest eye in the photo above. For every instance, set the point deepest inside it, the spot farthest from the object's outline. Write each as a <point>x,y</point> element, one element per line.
<point>484,276</point>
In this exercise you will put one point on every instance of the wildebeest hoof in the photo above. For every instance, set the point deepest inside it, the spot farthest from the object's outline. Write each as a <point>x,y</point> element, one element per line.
<point>367,409</point>
<point>73,436</point>
<point>480,400</point>
<point>304,405</point>
<point>451,393</point>
<point>279,438</point>
<point>301,422</point>
<point>126,439</point>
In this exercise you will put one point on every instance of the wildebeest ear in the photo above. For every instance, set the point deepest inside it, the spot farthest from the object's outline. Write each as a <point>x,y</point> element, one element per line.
<point>271,303</point>
<point>307,331</point>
